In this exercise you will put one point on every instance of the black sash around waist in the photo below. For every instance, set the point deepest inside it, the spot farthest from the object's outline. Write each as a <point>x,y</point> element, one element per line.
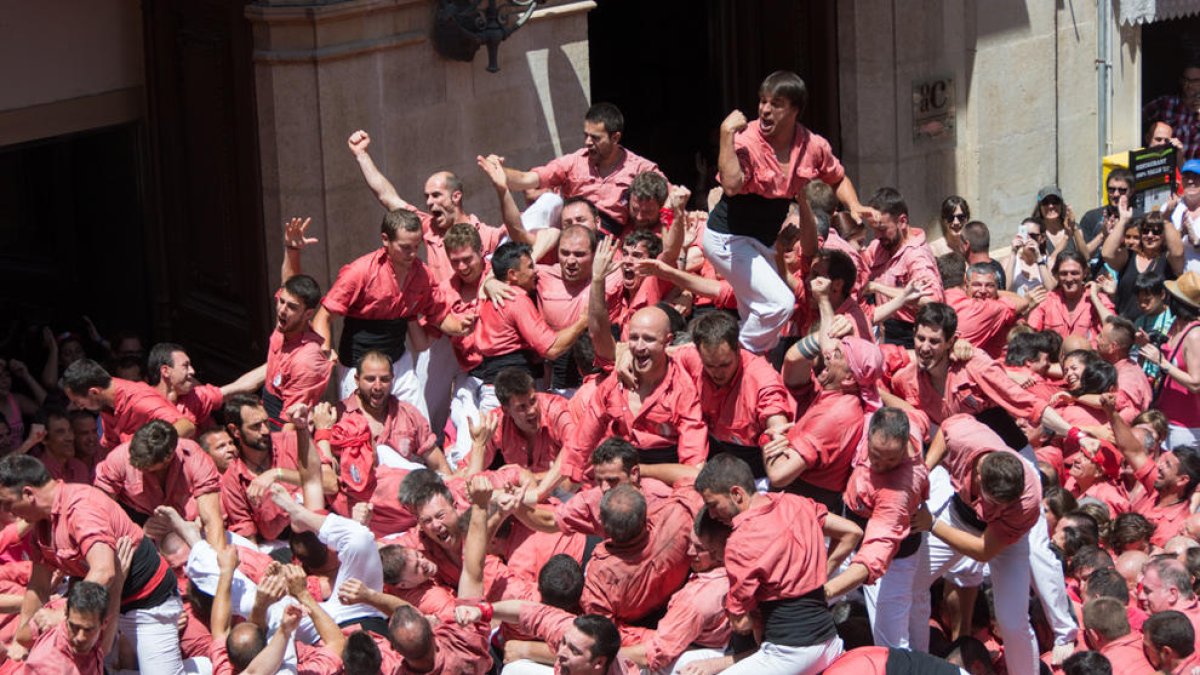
<point>908,545</point>
<point>998,420</point>
<point>142,572</point>
<point>360,336</point>
<point>750,216</point>
<point>750,454</point>
<point>898,332</point>
<point>798,622</point>
<point>967,514</point>
<point>274,407</point>
<point>564,373</point>
<point>832,501</point>
<point>659,455</point>
<point>492,365</point>
<point>372,624</point>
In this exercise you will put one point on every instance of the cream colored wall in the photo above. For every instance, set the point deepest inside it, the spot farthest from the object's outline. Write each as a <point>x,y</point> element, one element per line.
<point>1025,84</point>
<point>324,71</point>
<point>69,65</point>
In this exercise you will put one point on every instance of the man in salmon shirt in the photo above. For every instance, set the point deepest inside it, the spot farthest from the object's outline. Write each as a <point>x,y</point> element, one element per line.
<point>532,425</point>
<point>777,565</point>
<point>57,451</point>
<point>659,414</point>
<point>169,370</point>
<point>763,168</point>
<point>1170,644</point>
<point>124,406</point>
<point>76,530</point>
<point>1166,585</point>
<point>157,468</point>
<point>896,256</point>
<point>997,501</point>
<point>984,319</point>
<point>1068,309</point>
<point>1106,629</point>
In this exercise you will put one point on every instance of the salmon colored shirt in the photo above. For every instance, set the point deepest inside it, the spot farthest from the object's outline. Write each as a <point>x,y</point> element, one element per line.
<point>695,616</point>
<point>134,404</point>
<point>550,624</point>
<point>737,413</point>
<point>1052,314</point>
<point>190,475</point>
<point>517,326</point>
<point>887,500</point>
<point>911,260</point>
<point>581,513</point>
<point>562,306</point>
<point>1134,393</point>
<point>967,442</point>
<point>528,551</point>
<point>81,516</point>
<point>827,435</point>
<point>263,518</point>
<point>200,403</point>
<point>536,454</point>
<point>1127,656</point>
<point>367,288</point>
<point>983,323</point>
<point>776,551</point>
<point>297,368</point>
<point>53,654</point>
<point>574,176</point>
<point>1168,520</point>
<point>972,386</point>
<point>669,417</point>
<point>461,650</point>
<point>454,290</point>
<point>71,470</point>
<point>810,158</point>
<point>405,429</point>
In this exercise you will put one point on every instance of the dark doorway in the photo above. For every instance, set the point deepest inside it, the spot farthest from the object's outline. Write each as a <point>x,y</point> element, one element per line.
<point>71,236</point>
<point>676,68</point>
<point>1166,47</point>
<point>210,279</point>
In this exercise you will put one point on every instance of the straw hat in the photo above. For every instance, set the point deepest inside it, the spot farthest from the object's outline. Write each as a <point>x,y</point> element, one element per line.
<point>1186,288</point>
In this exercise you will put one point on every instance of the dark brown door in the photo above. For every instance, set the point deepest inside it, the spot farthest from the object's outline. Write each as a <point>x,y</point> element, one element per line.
<point>209,271</point>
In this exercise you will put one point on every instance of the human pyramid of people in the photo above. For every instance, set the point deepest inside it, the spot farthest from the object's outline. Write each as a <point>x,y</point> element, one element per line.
<point>614,435</point>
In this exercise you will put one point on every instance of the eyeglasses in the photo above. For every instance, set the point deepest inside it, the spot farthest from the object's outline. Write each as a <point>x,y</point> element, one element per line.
<point>1118,190</point>
<point>1152,229</point>
<point>957,217</point>
<point>1052,202</point>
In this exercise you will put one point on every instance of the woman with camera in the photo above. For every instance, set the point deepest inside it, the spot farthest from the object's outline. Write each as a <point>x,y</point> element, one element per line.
<point>1179,362</point>
<point>1026,268</point>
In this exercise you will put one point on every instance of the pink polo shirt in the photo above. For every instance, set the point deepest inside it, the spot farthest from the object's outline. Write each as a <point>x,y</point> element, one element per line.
<point>1134,393</point>
<point>776,551</point>
<point>562,306</point>
<point>827,435</point>
<point>297,368</point>
<point>737,413</point>
<point>367,288</point>
<point>670,417</point>
<point>71,470</point>
<point>517,326</point>
<point>1127,656</point>
<point>695,616</point>
<point>80,517</point>
<point>191,474</point>
<point>53,654</point>
<point>574,176</point>
<point>967,441</point>
<point>810,158</point>
<point>581,513</point>
<point>263,518</point>
<point>436,258</point>
<point>404,428</point>
<point>200,403</point>
<point>134,404</point>
<point>972,386</point>
<point>537,453</point>
<point>1052,314</point>
<point>550,624</point>
<point>628,581</point>
<point>911,260</point>
<point>983,323</point>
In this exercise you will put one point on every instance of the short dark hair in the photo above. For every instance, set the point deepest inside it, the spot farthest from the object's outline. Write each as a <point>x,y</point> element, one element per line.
<point>420,487</point>
<point>606,640</point>
<point>361,655</point>
<point>1171,629</point>
<point>649,185</point>
<point>1071,255</point>
<point>938,315</point>
<point>788,85</point>
<point>891,422</point>
<point>560,582</point>
<point>888,200</point>
<point>722,472</point>
<point>952,268</point>
<point>231,411</point>
<point>1087,663</point>
<point>714,329</point>
<point>151,444</point>
<point>840,267</point>
<point>508,257</point>
<point>406,617</point>
<point>951,204</point>
<point>1123,329</point>
<point>1079,529</point>
<point>19,471</point>
<point>607,114</point>
<point>1189,465</point>
<point>616,448</point>
<point>708,528</point>
<point>1107,582</point>
<point>462,235</point>
<point>1002,475</point>
<point>623,513</point>
<point>374,355</point>
<point>391,557</point>
<point>304,288</point>
<point>976,234</point>
<point>1022,348</point>
<point>1128,528</point>
<point>161,354</point>
<point>1089,558</point>
<point>583,200</point>
<point>88,597</point>
<point>85,374</point>
<point>399,219</point>
<point>1121,173</point>
<point>511,382</point>
<point>653,242</point>
<point>1150,282</point>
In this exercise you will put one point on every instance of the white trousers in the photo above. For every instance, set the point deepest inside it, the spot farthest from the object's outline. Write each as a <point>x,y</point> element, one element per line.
<point>697,654</point>
<point>765,301</point>
<point>406,386</point>
<point>526,667</point>
<point>773,659</point>
<point>472,399</point>
<point>155,637</point>
<point>889,602</point>
<point>1179,436</point>
<point>436,368</point>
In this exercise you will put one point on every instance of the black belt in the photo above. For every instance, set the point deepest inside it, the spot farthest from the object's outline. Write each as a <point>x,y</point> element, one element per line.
<point>360,336</point>
<point>659,455</point>
<point>492,365</point>
<point>750,215</point>
<point>967,514</point>
<point>564,373</point>
<point>998,420</point>
<point>908,545</point>
<point>750,454</point>
<point>798,622</point>
<point>898,332</point>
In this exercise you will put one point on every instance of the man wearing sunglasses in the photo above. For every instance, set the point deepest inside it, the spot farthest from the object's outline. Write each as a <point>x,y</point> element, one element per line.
<point>1097,223</point>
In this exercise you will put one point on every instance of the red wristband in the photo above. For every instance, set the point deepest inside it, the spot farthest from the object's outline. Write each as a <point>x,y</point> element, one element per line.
<point>1074,433</point>
<point>323,434</point>
<point>486,612</point>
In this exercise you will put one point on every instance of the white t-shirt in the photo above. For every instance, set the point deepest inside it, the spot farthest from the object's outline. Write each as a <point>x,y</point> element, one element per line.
<point>1191,237</point>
